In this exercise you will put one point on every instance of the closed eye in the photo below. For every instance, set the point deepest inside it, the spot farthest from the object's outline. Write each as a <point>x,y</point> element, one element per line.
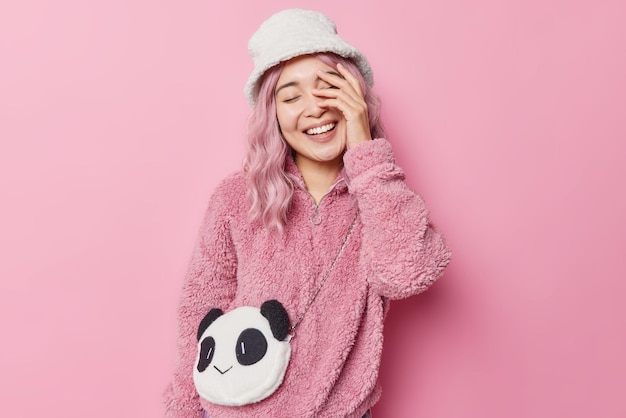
<point>291,99</point>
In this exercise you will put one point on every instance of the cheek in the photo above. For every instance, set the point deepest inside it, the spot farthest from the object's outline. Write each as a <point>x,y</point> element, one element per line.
<point>287,118</point>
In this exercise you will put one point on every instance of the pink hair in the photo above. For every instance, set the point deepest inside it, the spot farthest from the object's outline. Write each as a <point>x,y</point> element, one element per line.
<point>270,188</point>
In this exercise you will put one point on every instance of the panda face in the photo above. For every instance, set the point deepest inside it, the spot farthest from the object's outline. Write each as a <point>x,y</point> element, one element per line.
<point>239,360</point>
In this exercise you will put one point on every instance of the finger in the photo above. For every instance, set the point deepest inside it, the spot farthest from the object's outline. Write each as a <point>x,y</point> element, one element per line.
<point>341,100</point>
<point>341,86</point>
<point>343,91</point>
<point>341,77</point>
<point>351,111</point>
<point>336,80</point>
<point>351,78</point>
<point>346,82</point>
<point>357,122</point>
<point>332,78</point>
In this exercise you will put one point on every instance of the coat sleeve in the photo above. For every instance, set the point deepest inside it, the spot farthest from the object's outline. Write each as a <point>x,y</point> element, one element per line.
<point>209,283</point>
<point>401,249</point>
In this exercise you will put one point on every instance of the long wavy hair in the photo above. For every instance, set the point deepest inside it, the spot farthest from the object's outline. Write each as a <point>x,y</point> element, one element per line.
<point>270,187</point>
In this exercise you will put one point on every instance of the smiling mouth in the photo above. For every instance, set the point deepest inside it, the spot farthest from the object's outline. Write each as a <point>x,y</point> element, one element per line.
<point>321,129</point>
<point>222,372</point>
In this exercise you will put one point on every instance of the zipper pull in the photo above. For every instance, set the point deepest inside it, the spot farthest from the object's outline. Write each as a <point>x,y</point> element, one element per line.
<point>316,218</point>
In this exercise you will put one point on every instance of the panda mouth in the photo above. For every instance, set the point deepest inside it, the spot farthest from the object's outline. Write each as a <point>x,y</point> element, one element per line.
<point>222,372</point>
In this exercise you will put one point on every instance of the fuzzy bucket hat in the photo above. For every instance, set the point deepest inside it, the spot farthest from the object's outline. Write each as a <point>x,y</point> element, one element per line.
<point>292,33</point>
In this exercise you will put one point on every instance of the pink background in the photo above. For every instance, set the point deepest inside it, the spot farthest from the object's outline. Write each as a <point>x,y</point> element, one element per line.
<point>118,117</point>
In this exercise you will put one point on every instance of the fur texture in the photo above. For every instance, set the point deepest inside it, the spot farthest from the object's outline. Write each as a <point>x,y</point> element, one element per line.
<point>294,32</point>
<point>394,252</point>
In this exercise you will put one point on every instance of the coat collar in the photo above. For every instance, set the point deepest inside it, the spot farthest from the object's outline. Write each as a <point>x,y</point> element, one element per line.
<point>294,172</point>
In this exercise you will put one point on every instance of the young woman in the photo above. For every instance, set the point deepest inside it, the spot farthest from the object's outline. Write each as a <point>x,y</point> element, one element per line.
<point>320,208</point>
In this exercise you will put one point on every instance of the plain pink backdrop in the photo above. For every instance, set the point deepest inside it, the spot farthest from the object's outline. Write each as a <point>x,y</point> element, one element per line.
<point>117,119</point>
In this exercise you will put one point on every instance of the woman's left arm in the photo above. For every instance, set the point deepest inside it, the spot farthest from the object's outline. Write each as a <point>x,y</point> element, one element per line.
<point>400,246</point>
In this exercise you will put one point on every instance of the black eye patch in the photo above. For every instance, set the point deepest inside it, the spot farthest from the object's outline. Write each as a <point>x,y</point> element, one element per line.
<point>251,346</point>
<point>207,349</point>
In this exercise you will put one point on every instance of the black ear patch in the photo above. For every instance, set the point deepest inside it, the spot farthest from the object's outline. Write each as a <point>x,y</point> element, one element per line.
<point>276,315</point>
<point>208,320</point>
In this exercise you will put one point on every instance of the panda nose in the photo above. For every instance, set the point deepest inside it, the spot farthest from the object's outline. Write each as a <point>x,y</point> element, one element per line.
<point>222,372</point>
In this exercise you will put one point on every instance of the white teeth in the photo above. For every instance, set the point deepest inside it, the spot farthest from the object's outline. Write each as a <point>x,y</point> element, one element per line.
<point>320,129</point>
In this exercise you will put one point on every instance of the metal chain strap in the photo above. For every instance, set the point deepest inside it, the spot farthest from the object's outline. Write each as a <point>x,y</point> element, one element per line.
<point>330,269</point>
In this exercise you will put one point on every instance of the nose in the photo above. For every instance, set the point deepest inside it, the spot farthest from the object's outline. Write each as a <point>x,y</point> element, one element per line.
<point>313,108</point>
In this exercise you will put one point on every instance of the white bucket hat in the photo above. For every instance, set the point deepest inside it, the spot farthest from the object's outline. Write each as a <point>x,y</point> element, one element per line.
<point>296,32</point>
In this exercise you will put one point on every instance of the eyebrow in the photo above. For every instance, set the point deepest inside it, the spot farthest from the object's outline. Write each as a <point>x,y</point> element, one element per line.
<point>284,86</point>
<point>295,83</point>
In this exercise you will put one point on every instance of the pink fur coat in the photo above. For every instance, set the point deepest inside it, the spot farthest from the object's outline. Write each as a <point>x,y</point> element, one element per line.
<point>394,252</point>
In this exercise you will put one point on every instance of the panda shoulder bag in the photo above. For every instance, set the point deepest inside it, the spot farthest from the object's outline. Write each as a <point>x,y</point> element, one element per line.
<point>243,354</point>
